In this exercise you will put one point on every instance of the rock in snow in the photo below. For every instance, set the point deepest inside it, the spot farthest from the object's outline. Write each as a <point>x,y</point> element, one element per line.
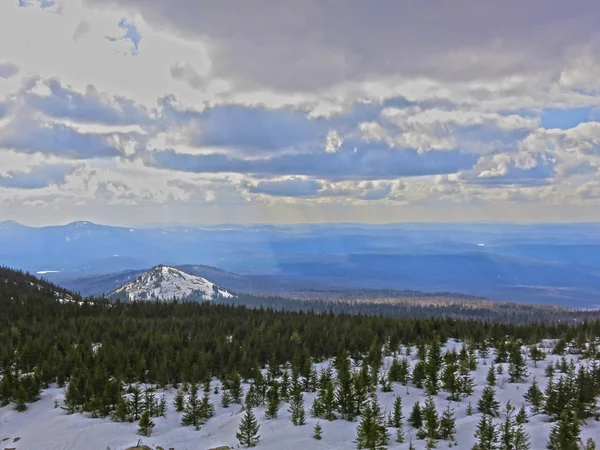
<point>166,283</point>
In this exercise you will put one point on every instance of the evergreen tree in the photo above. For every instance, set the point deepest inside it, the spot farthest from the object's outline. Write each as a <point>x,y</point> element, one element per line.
<point>318,431</point>
<point>469,410</point>
<point>565,434</point>
<point>549,370</point>
<point>20,398</point>
<point>491,376</point>
<point>146,424</point>
<point>297,408</point>
<point>447,424</point>
<point>534,397</point>
<point>121,413</point>
<point>345,388</point>
<point>431,421</point>
<point>522,416</point>
<point>450,381</point>
<point>207,409</point>
<point>398,416</point>
<point>486,434</point>
<point>488,404</point>
<point>192,415</point>
<point>536,354</point>
<point>415,419</point>
<point>135,402</point>
<point>235,388</point>
<point>517,368</point>
<point>225,398</point>
<point>589,444</point>
<point>274,401</point>
<point>418,374</point>
<point>371,432</point>
<point>248,431</point>
<point>162,406</point>
<point>466,381</point>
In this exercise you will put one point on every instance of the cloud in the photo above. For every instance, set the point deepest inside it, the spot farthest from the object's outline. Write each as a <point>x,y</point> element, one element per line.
<point>290,187</point>
<point>8,70</point>
<point>89,106</point>
<point>33,136</point>
<point>82,29</point>
<point>371,162</point>
<point>37,177</point>
<point>187,74</point>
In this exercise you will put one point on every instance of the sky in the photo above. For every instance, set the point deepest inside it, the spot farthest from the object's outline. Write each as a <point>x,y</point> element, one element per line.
<point>133,111</point>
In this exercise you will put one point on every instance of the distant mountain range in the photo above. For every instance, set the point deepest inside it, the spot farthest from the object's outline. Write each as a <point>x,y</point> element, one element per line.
<point>548,263</point>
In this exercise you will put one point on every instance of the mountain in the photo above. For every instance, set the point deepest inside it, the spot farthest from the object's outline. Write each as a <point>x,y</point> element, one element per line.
<point>167,283</point>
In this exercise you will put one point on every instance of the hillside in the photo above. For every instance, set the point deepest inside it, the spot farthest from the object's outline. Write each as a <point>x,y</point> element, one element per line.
<point>168,283</point>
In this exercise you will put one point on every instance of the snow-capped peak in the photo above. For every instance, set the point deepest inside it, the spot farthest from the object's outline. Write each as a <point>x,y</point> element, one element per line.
<point>166,283</point>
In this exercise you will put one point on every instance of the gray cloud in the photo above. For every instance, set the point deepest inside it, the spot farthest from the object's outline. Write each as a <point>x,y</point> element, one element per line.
<point>369,162</point>
<point>87,107</point>
<point>82,29</point>
<point>38,177</point>
<point>8,70</point>
<point>292,187</point>
<point>318,44</point>
<point>187,74</point>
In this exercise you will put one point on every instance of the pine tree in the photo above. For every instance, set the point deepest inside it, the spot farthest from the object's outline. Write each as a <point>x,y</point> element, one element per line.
<point>450,382</point>
<point>589,444</point>
<point>491,376</point>
<point>235,388</point>
<point>297,408</point>
<point>431,421</point>
<point>135,402</point>
<point>318,431</point>
<point>179,401</point>
<point>549,370</point>
<point>469,410</point>
<point>466,381</point>
<point>565,434</point>
<point>507,435</point>
<point>207,409</point>
<point>415,419</point>
<point>517,368</point>
<point>371,432</point>
<point>192,415</point>
<point>418,374</point>
<point>522,416</point>
<point>274,401</point>
<point>121,412</point>
<point>146,424</point>
<point>521,438</point>
<point>486,434</point>
<point>534,397</point>
<point>488,404</point>
<point>248,431</point>
<point>398,416</point>
<point>225,398</point>
<point>20,398</point>
<point>536,354</point>
<point>162,406</point>
<point>447,424</point>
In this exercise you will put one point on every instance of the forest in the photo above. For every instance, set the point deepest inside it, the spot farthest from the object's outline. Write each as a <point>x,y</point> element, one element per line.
<point>114,359</point>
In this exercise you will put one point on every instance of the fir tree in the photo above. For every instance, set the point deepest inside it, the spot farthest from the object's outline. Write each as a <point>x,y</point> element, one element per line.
<point>248,431</point>
<point>549,370</point>
<point>589,444</point>
<point>536,354</point>
<point>517,368</point>
<point>398,416</point>
<point>318,431</point>
<point>488,404</point>
<point>297,408</point>
<point>192,415</point>
<point>20,398</point>
<point>235,388</point>
<point>371,432</point>
<point>415,419</point>
<point>491,376</point>
<point>450,381</point>
<point>418,375</point>
<point>565,434</point>
<point>207,409</point>
<point>522,416</point>
<point>534,397</point>
<point>146,424</point>
<point>431,421</point>
<point>225,398</point>
<point>162,406</point>
<point>466,381</point>
<point>274,401</point>
<point>135,402</point>
<point>486,434</point>
<point>121,413</point>
<point>469,410</point>
<point>447,424</point>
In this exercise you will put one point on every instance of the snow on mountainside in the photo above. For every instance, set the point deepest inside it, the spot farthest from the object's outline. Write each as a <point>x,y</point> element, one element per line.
<point>165,283</point>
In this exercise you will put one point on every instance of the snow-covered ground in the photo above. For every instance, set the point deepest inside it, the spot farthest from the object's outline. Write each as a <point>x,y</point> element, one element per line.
<point>43,427</point>
<point>167,283</point>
